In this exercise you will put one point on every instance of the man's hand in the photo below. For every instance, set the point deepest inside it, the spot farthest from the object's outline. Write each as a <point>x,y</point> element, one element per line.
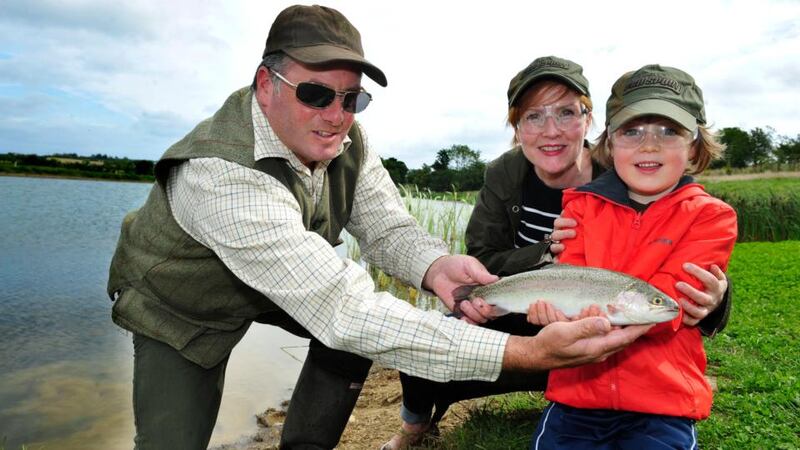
<point>563,228</point>
<point>452,271</point>
<point>567,344</point>
<point>701,303</point>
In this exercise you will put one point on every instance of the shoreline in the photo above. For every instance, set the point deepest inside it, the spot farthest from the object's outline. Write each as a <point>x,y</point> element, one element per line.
<point>701,178</point>
<point>69,177</point>
<point>375,418</point>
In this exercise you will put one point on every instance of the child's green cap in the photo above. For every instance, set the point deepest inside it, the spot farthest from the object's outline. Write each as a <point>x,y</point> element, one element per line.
<point>656,90</point>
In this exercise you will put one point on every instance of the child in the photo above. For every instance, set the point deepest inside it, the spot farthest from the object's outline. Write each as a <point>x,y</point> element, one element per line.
<point>645,218</point>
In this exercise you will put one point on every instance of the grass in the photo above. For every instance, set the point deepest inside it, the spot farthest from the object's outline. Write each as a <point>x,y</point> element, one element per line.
<point>757,405</point>
<point>3,445</point>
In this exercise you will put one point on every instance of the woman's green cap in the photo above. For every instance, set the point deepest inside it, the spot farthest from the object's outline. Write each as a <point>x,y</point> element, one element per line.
<point>319,35</point>
<point>552,67</point>
<point>656,90</point>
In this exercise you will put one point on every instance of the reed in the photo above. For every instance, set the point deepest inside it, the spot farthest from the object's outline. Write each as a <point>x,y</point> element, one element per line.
<point>442,215</point>
<point>766,209</point>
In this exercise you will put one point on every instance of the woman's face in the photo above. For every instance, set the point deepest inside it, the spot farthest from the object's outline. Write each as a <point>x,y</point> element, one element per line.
<point>555,145</point>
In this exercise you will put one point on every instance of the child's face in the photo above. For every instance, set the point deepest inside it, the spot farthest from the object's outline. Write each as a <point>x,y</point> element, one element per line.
<point>651,154</point>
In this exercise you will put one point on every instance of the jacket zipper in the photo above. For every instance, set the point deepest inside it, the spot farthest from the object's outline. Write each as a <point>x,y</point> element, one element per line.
<point>637,221</point>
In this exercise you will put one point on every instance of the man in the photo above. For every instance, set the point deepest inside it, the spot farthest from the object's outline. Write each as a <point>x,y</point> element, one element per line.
<point>240,227</point>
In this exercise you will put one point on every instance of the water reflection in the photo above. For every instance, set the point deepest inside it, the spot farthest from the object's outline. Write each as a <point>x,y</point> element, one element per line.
<point>67,405</point>
<point>65,368</point>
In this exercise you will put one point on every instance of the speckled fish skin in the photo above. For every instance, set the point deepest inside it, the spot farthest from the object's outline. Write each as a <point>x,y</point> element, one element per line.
<point>624,299</point>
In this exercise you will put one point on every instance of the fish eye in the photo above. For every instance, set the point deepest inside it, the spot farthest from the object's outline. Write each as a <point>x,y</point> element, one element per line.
<point>657,301</point>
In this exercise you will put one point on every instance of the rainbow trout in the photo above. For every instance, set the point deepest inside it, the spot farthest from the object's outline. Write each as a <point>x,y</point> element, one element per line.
<point>624,299</point>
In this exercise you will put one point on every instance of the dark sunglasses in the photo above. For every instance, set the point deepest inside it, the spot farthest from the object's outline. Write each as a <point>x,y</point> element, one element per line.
<point>319,96</point>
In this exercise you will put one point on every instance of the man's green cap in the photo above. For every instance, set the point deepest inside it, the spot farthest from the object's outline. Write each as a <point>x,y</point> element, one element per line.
<point>553,67</point>
<point>319,35</point>
<point>658,91</point>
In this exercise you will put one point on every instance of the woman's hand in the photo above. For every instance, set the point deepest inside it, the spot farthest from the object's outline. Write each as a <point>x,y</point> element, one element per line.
<point>701,303</point>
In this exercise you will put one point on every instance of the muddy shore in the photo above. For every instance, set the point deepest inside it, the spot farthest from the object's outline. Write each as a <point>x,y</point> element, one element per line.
<point>375,418</point>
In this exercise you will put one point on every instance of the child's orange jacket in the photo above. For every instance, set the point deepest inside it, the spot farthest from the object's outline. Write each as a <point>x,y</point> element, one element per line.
<point>663,371</point>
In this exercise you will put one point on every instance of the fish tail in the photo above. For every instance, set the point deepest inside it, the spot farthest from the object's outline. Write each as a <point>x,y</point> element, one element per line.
<point>462,293</point>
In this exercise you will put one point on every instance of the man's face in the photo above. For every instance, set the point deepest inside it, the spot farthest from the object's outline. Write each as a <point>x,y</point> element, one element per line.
<point>313,134</point>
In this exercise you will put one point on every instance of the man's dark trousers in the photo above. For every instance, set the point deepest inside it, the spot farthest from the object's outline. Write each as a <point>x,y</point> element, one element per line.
<point>176,401</point>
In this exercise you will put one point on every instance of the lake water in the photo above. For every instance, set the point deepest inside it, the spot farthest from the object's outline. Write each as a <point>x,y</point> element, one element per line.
<point>65,368</point>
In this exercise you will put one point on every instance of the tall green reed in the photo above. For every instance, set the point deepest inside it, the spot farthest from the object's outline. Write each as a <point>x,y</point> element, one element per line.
<point>767,209</point>
<point>441,215</point>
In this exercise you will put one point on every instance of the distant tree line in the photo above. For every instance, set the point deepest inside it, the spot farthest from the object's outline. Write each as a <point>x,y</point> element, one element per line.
<point>71,164</point>
<point>458,167</point>
<point>461,168</point>
<point>758,147</point>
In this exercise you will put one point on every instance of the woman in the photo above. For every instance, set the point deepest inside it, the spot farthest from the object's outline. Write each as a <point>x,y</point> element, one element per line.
<point>549,107</point>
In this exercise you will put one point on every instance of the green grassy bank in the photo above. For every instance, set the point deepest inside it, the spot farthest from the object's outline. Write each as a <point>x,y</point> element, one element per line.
<point>767,209</point>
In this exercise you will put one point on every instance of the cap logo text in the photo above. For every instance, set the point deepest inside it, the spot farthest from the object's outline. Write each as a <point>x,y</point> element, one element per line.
<point>653,81</point>
<point>549,62</point>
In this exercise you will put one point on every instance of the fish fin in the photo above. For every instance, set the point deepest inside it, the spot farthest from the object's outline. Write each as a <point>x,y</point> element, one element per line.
<point>461,293</point>
<point>500,311</point>
<point>612,309</point>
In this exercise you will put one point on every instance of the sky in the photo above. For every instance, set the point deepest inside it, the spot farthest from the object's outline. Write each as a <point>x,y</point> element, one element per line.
<point>129,78</point>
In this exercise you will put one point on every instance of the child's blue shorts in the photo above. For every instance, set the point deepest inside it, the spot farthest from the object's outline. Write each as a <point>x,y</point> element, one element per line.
<point>565,427</point>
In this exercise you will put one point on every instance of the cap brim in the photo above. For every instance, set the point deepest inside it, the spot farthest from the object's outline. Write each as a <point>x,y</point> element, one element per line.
<point>539,76</point>
<point>322,54</point>
<point>653,107</point>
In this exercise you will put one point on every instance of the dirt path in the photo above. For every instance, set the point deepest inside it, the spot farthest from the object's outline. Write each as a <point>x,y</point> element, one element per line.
<point>748,176</point>
<point>374,420</point>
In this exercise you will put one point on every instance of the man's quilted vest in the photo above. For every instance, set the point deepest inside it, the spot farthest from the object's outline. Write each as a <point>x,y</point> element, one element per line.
<point>168,286</point>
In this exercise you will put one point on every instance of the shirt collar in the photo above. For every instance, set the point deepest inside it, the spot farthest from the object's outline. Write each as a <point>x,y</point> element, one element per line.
<point>268,145</point>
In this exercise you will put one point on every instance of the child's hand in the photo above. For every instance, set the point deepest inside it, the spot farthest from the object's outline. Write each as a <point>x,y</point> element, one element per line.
<point>698,304</point>
<point>590,311</point>
<point>543,313</point>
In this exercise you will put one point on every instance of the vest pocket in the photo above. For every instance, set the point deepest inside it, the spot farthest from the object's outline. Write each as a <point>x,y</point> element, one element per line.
<point>148,316</point>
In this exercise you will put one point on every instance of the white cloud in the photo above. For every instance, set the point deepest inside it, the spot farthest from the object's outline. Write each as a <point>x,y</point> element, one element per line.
<point>166,65</point>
